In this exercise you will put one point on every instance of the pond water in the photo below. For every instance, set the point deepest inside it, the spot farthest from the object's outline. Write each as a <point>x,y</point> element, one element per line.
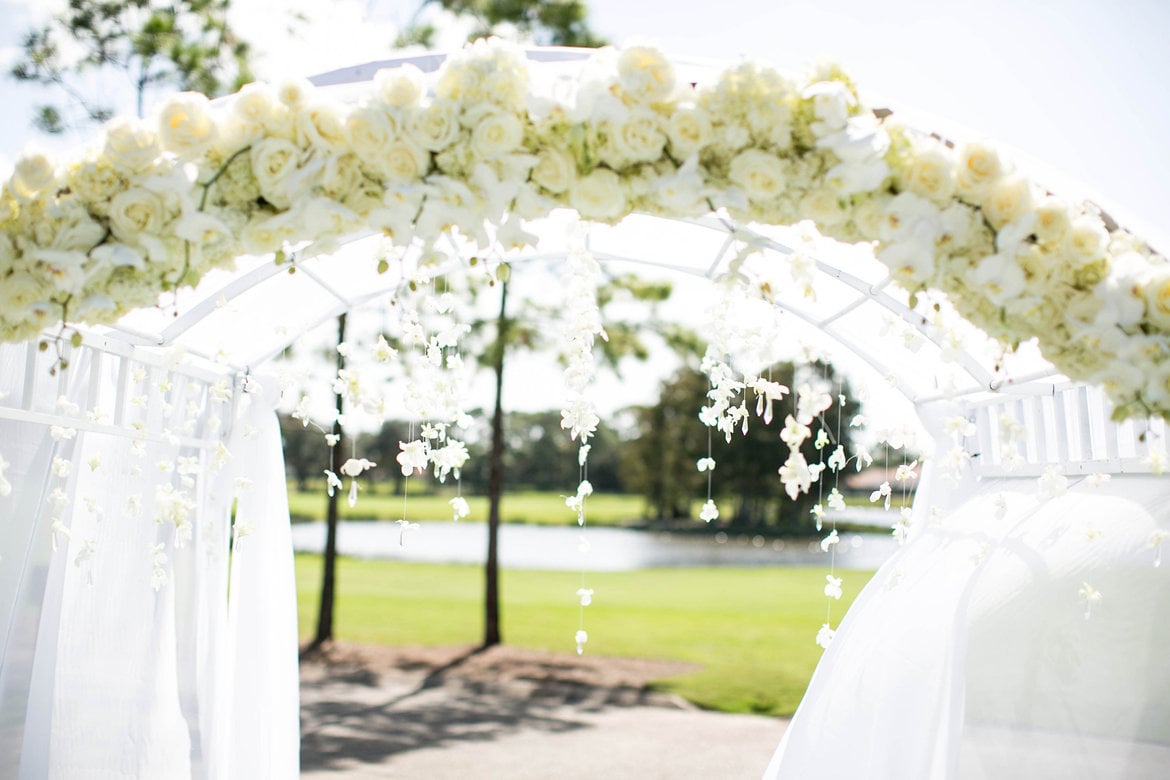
<point>608,549</point>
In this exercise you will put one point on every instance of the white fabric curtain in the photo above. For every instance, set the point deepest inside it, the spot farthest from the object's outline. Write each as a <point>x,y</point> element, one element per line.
<point>118,652</point>
<point>1019,636</point>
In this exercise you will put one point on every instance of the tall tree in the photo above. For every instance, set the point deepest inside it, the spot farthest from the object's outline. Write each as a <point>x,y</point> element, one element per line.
<point>523,324</point>
<point>178,44</point>
<point>324,631</point>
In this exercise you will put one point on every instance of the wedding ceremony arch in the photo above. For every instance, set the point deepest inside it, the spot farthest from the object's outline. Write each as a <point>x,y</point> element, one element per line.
<point>148,607</point>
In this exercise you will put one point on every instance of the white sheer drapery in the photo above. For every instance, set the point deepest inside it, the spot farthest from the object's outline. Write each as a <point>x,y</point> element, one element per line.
<point>1016,637</point>
<point>119,653</point>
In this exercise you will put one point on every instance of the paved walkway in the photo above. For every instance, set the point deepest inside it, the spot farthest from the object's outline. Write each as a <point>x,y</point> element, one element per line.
<point>497,715</point>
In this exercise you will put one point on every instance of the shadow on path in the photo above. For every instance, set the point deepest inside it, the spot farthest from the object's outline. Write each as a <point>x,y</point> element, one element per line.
<point>351,713</point>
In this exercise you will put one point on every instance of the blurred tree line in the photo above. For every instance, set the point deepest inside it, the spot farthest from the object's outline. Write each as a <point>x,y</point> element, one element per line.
<point>646,450</point>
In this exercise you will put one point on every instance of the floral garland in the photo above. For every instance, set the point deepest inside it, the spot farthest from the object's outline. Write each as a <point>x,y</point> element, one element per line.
<point>154,207</point>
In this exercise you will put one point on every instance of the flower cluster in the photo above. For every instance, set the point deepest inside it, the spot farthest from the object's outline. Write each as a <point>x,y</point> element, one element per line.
<point>156,205</point>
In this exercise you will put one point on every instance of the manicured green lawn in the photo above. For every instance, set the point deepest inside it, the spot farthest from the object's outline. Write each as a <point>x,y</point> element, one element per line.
<point>522,507</point>
<point>750,629</point>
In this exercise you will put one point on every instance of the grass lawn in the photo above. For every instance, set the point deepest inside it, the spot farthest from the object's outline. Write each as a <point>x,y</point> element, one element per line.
<point>543,508</point>
<point>750,629</point>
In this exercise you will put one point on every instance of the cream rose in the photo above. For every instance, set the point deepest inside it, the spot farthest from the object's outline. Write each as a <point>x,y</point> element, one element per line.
<point>637,138</point>
<point>273,161</point>
<point>1053,221</point>
<point>321,125</point>
<point>130,145</point>
<point>294,93</point>
<point>823,206</point>
<point>34,172</point>
<point>1156,291</point>
<point>399,87</point>
<point>1087,239</point>
<point>759,174</point>
<point>645,74</point>
<point>688,130</point>
<point>460,84</point>
<point>598,195</point>
<point>555,170</point>
<point>507,89</point>
<point>135,212</point>
<point>1009,198</point>
<point>931,174</point>
<point>370,130</point>
<point>978,169</point>
<point>404,162</point>
<point>434,127</point>
<point>495,134</point>
<point>185,125</point>
<point>341,176</point>
<point>256,107</point>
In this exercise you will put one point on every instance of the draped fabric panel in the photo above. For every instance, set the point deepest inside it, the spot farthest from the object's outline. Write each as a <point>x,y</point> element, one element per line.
<point>1018,636</point>
<point>117,654</point>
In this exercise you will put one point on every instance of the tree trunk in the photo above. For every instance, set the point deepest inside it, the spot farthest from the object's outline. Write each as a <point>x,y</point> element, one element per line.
<point>325,611</point>
<point>491,595</point>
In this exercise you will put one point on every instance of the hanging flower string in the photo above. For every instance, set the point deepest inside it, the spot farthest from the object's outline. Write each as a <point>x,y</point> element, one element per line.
<point>579,415</point>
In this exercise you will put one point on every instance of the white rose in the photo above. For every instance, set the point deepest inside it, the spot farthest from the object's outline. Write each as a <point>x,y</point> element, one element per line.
<point>399,87</point>
<point>321,125</point>
<point>978,169</point>
<point>1156,291</point>
<point>459,83</point>
<point>636,138</point>
<point>130,145</point>
<point>1008,199</point>
<point>1053,221</point>
<point>598,195</point>
<point>507,88</point>
<point>555,170</point>
<point>1087,239</point>
<point>823,206</point>
<point>341,176</point>
<point>370,130</point>
<point>645,74</point>
<point>434,127</point>
<point>931,174</point>
<point>495,134</point>
<point>759,174</point>
<point>405,162</point>
<point>185,125</point>
<point>688,129</point>
<point>34,172</point>
<point>256,107</point>
<point>135,212</point>
<point>273,161</point>
<point>294,93</point>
